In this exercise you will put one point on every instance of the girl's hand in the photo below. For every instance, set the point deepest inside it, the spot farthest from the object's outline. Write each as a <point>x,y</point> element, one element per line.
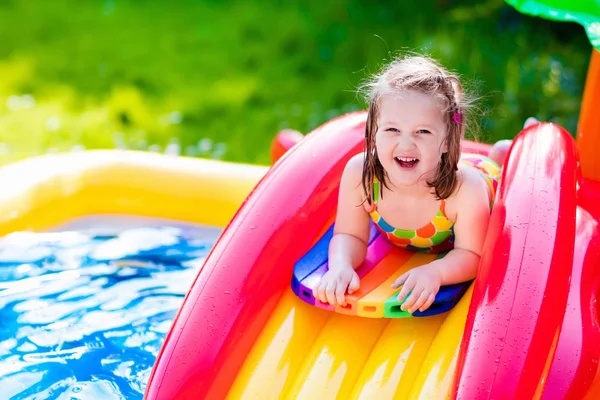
<point>332,286</point>
<point>424,282</point>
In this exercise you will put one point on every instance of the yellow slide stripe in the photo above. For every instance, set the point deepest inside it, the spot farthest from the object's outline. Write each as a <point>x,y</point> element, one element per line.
<point>436,374</point>
<point>396,359</point>
<point>337,358</point>
<point>276,357</point>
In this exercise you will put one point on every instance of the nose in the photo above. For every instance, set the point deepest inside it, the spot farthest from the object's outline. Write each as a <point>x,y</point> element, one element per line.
<point>405,141</point>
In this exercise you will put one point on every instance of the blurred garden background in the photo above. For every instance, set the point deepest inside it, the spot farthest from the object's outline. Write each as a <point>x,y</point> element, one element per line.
<point>219,78</point>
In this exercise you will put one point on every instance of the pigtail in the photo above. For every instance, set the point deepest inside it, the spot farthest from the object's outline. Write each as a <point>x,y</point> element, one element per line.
<point>446,180</point>
<point>372,167</point>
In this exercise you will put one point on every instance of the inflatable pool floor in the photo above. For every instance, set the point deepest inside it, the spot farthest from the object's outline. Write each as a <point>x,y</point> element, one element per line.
<point>527,327</point>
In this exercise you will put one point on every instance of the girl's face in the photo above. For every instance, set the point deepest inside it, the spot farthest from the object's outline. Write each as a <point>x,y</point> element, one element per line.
<point>409,137</point>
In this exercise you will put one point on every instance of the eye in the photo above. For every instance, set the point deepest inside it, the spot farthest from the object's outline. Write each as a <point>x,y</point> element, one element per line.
<point>391,130</point>
<point>424,131</point>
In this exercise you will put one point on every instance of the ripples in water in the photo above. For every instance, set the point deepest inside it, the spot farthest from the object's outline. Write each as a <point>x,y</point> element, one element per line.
<point>83,313</point>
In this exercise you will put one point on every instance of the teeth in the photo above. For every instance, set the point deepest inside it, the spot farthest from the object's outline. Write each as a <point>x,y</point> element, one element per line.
<point>406,159</point>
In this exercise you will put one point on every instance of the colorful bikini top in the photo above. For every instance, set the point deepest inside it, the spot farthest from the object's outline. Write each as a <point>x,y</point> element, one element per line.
<point>435,237</point>
<point>438,235</point>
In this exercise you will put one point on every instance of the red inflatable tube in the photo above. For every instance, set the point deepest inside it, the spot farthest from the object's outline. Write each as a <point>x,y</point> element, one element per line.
<point>288,138</point>
<point>251,264</point>
<point>520,294</point>
<point>576,358</point>
<point>590,197</point>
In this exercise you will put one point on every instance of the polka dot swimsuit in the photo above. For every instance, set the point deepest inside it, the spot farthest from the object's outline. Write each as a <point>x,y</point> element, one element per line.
<point>437,235</point>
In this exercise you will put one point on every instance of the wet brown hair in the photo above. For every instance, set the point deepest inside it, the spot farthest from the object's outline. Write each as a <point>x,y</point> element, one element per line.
<point>425,75</point>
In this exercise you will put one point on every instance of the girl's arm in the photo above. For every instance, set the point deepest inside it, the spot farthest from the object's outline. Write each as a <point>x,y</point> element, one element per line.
<point>472,220</point>
<point>348,247</point>
<point>461,263</point>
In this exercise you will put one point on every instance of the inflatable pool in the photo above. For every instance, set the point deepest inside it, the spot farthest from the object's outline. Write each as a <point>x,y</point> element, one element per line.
<point>527,327</point>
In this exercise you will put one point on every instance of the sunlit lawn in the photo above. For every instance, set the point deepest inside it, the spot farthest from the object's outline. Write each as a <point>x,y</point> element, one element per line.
<point>220,78</point>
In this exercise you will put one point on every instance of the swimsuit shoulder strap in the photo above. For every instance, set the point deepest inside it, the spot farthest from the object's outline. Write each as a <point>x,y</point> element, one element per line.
<point>375,191</point>
<point>443,208</point>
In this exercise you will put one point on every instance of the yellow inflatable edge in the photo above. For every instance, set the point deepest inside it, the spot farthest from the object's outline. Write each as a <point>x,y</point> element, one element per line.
<point>42,192</point>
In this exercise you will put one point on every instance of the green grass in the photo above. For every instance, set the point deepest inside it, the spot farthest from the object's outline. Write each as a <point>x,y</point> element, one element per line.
<point>222,77</point>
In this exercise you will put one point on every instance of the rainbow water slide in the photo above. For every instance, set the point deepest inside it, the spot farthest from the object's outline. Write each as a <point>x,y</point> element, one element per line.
<point>527,328</point>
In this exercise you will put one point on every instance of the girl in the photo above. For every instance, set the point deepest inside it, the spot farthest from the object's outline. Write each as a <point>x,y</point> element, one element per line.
<point>414,185</point>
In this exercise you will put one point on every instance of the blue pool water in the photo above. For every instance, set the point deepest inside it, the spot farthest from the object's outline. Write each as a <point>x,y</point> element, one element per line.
<point>84,309</point>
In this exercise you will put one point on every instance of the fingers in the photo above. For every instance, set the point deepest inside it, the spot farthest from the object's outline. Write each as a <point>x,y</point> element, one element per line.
<point>319,290</point>
<point>340,294</point>
<point>428,303</point>
<point>408,286</point>
<point>332,289</point>
<point>330,293</point>
<point>354,284</point>
<point>411,299</point>
<point>401,279</point>
<point>423,297</point>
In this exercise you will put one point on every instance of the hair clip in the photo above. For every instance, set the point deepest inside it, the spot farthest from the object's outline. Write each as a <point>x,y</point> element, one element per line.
<point>457,118</point>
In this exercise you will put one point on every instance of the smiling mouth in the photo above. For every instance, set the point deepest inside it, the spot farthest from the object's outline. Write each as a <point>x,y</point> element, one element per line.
<point>406,162</point>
